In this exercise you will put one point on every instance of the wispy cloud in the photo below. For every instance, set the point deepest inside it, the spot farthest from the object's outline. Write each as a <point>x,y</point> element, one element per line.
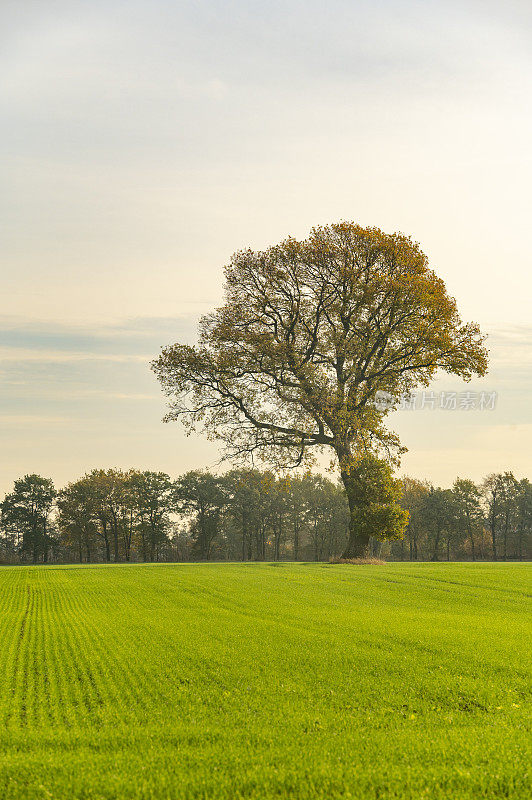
<point>19,355</point>
<point>122,337</point>
<point>82,371</point>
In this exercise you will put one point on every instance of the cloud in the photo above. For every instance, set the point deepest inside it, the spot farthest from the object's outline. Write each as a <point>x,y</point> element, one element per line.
<point>19,355</point>
<point>57,371</point>
<point>128,339</point>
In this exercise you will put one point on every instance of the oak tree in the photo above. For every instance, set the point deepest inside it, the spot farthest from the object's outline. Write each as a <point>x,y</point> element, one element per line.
<point>311,334</point>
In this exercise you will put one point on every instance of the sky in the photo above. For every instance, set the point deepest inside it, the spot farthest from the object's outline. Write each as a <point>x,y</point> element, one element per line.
<point>141,143</point>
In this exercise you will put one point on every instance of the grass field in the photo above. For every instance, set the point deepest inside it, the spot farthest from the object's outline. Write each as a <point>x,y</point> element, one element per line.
<point>265,680</point>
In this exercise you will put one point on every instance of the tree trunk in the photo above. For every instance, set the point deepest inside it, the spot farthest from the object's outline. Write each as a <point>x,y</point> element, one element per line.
<point>505,540</point>
<point>261,542</point>
<point>471,538</point>
<point>357,542</point>
<point>435,555</point>
<point>494,542</point>
<point>244,535</point>
<point>153,537</point>
<point>105,536</point>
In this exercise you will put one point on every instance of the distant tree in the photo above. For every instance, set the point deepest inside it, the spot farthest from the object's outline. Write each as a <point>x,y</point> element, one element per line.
<point>439,513</point>
<point>413,496</point>
<point>112,501</point>
<point>325,515</point>
<point>279,507</point>
<point>110,507</point>
<point>310,333</point>
<point>509,492</point>
<point>285,516</point>
<point>96,486</point>
<point>297,500</point>
<point>77,519</point>
<point>153,501</point>
<point>26,515</point>
<point>492,495</point>
<point>202,496</point>
<point>244,489</point>
<point>467,497</point>
<point>267,504</point>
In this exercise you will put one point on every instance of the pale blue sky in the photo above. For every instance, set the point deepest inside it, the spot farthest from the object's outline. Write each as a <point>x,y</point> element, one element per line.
<point>143,142</point>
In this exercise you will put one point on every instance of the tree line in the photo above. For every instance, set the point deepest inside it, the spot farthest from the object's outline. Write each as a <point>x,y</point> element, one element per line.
<point>252,515</point>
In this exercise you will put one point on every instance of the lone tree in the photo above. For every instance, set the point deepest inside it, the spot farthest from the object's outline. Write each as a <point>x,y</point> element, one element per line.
<point>312,333</point>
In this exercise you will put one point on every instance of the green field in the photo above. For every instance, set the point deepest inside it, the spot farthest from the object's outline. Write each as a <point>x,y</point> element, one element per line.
<point>265,680</point>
